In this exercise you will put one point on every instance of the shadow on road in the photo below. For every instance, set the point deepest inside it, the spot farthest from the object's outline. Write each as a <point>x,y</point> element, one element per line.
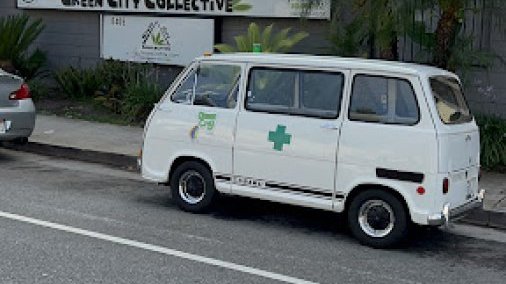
<point>423,241</point>
<point>4,157</point>
<point>275,214</point>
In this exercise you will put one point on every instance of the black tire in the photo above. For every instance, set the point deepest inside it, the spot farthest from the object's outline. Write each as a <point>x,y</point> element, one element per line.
<point>21,141</point>
<point>198,193</point>
<point>377,228</point>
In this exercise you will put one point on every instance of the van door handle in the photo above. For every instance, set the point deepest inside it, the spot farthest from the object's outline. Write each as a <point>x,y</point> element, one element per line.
<point>329,125</point>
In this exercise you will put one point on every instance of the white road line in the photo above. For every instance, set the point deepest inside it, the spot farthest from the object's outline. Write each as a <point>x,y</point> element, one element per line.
<point>155,248</point>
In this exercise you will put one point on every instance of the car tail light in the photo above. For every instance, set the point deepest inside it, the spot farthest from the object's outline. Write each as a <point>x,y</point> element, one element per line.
<point>21,94</point>
<point>446,185</point>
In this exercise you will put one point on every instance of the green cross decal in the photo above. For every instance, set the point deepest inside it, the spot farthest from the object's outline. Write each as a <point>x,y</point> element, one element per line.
<point>280,137</point>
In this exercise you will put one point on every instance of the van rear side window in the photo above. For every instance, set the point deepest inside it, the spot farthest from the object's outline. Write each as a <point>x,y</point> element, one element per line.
<point>383,100</point>
<point>450,102</point>
<point>296,92</point>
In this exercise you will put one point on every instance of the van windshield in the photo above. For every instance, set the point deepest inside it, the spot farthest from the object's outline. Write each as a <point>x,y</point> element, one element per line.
<point>450,102</point>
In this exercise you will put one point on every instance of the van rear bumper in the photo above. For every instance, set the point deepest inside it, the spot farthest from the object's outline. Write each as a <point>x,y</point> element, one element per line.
<point>456,213</point>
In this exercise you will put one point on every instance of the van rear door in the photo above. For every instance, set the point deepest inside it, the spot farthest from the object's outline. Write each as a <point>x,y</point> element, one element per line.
<point>459,140</point>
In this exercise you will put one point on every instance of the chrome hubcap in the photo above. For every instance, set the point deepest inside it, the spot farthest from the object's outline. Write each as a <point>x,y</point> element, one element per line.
<point>376,218</point>
<point>192,187</point>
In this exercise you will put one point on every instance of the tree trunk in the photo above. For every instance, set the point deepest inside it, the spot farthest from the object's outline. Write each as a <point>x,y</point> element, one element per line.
<point>392,51</point>
<point>446,33</point>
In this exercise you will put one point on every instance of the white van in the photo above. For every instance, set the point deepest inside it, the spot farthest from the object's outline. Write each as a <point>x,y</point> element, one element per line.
<point>388,143</point>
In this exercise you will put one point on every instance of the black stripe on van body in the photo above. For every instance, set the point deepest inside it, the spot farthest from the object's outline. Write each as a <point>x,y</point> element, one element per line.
<point>270,185</point>
<point>399,175</point>
<point>223,177</point>
<point>299,189</point>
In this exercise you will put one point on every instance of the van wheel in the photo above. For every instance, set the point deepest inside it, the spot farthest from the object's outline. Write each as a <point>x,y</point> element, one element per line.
<point>378,219</point>
<point>192,187</point>
<point>21,141</point>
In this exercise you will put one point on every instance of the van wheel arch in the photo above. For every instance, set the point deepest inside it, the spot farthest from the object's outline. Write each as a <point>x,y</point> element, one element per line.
<point>377,216</point>
<point>182,159</point>
<point>364,187</point>
<point>192,186</point>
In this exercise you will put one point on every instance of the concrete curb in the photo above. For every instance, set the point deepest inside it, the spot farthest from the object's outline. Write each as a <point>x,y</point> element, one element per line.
<point>120,161</point>
<point>478,216</point>
<point>485,218</point>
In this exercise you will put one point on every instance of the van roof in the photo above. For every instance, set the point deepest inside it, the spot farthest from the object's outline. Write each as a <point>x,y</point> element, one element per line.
<point>330,61</point>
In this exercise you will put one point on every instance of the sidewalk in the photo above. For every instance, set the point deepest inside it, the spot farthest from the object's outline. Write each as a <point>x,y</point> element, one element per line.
<point>100,137</point>
<point>85,141</point>
<point>119,145</point>
<point>493,213</point>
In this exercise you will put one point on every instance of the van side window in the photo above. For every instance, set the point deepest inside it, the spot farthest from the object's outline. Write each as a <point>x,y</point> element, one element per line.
<point>271,90</point>
<point>296,92</point>
<point>211,85</point>
<point>321,93</point>
<point>383,100</point>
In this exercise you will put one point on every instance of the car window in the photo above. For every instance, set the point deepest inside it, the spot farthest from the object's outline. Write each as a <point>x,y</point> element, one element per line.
<point>321,93</point>
<point>212,85</point>
<point>405,103</point>
<point>450,102</point>
<point>383,100</point>
<point>271,90</point>
<point>184,93</point>
<point>296,92</point>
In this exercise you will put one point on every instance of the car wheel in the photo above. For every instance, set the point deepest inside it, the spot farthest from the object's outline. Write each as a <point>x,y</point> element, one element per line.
<point>378,219</point>
<point>192,187</point>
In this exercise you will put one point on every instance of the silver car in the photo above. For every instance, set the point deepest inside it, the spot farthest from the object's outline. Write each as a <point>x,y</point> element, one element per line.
<point>17,111</point>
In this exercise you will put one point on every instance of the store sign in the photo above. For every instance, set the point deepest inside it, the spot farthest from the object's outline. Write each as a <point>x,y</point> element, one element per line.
<point>156,40</point>
<point>251,8</point>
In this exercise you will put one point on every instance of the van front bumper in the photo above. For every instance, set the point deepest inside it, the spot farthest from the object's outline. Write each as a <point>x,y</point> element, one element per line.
<point>456,213</point>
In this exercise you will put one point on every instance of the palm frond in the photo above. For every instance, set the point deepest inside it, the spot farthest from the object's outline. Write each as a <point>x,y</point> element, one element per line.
<point>279,42</point>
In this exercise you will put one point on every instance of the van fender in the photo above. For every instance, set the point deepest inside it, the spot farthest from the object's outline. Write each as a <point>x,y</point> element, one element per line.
<point>396,187</point>
<point>190,155</point>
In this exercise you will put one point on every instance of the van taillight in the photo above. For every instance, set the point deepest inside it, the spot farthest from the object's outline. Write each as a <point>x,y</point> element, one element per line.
<point>21,94</point>
<point>446,185</point>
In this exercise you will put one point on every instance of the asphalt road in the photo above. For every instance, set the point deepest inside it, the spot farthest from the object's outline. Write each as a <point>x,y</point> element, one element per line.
<point>71,222</point>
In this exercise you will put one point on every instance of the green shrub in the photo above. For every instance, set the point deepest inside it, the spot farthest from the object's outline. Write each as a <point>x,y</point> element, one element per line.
<point>17,33</point>
<point>126,89</point>
<point>139,99</point>
<point>493,141</point>
<point>105,82</point>
<point>78,84</point>
<point>39,89</point>
<point>117,79</point>
<point>33,65</point>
